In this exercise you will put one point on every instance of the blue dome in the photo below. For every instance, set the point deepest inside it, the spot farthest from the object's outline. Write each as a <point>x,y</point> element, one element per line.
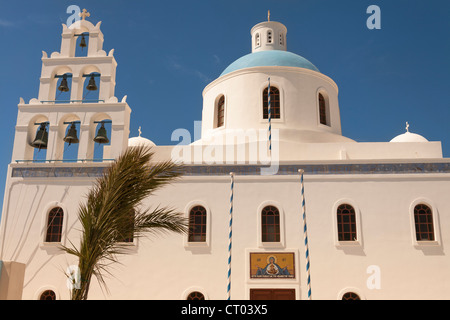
<point>270,58</point>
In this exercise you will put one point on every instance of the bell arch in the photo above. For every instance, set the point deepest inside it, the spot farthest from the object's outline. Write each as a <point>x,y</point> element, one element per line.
<point>89,74</point>
<point>67,138</point>
<point>73,37</point>
<point>100,133</point>
<point>37,139</point>
<point>59,75</point>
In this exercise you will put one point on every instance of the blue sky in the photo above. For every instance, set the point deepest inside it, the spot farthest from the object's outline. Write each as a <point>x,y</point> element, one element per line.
<point>168,51</point>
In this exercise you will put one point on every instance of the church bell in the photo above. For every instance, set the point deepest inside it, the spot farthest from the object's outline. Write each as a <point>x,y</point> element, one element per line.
<point>63,86</point>
<point>91,85</point>
<point>41,140</point>
<point>102,136</point>
<point>82,42</point>
<point>71,136</point>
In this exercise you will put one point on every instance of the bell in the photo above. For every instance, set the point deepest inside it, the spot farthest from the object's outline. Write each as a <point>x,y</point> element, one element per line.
<point>63,86</point>
<point>71,136</point>
<point>91,85</point>
<point>101,135</point>
<point>41,140</point>
<point>83,41</point>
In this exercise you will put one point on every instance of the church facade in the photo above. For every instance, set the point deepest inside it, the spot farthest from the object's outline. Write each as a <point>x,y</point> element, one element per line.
<point>271,156</point>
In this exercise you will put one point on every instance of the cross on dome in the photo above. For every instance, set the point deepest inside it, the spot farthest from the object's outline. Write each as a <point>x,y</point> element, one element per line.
<point>84,14</point>
<point>407,126</point>
<point>268,15</point>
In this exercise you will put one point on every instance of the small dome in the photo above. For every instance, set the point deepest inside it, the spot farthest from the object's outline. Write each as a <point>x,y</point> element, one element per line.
<point>270,58</point>
<point>139,141</point>
<point>409,137</point>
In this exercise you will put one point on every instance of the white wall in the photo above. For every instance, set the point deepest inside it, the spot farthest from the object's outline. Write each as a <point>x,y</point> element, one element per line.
<point>165,268</point>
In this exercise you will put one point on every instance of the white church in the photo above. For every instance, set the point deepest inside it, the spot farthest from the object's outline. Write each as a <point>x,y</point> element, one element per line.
<point>377,213</point>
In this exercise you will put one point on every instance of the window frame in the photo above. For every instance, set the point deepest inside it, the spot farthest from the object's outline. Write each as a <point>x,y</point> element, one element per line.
<point>353,290</point>
<point>281,39</point>
<point>37,294</point>
<point>344,243</point>
<point>436,226</point>
<point>267,224</point>
<point>422,209</point>
<point>264,101</point>
<point>48,290</point>
<point>195,292</point>
<point>267,244</point>
<point>194,244</point>
<point>322,92</point>
<point>194,227</point>
<point>44,225</point>
<point>340,215</point>
<point>220,105</point>
<point>192,289</point>
<point>56,224</point>
<point>269,36</point>
<point>257,40</point>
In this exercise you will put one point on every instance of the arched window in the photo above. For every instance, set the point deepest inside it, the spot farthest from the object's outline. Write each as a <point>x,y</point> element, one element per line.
<point>220,112</point>
<point>197,224</point>
<point>48,295</point>
<point>323,110</point>
<point>274,103</point>
<point>269,36</point>
<point>350,296</point>
<point>423,219</point>
<point>281,39</point>
<point>195,296</point>
<point>346,223</point>
<point>257,40</point>
<point>54,225</point>
<point>270,224</point>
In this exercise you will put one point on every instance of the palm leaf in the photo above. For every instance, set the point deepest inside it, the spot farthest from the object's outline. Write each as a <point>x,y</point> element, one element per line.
<point>113,199</point>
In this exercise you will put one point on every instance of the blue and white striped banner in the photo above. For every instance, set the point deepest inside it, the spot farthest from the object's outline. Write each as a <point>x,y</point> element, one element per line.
<point>305,235</point>
<point>230,234</point>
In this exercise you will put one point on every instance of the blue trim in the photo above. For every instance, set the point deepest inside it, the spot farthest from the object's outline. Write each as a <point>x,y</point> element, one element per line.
<point>69,101</point>
<point>270,58</point>
<point>83,170</point>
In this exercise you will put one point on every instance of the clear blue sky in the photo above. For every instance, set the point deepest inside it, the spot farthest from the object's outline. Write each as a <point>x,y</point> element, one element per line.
<point>168,51</point>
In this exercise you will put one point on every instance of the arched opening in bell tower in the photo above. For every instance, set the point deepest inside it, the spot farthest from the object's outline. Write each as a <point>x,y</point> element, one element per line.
<point>38,133</point>
<point>91,87</point>
<point>101,132</point>
<point>63,87</point>
<point>81,44</point>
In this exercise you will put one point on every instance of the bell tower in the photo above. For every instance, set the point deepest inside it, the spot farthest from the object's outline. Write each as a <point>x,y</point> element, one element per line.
<point>76,107</point>
<point>269,35</point>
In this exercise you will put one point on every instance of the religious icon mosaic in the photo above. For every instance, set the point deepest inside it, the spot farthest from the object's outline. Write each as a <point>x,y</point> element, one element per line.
<point>272,265</point>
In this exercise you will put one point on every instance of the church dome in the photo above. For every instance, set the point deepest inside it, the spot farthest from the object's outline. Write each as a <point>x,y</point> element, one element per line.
<point>270,58</point>
<point>409,137</point>
<point>140,141</point>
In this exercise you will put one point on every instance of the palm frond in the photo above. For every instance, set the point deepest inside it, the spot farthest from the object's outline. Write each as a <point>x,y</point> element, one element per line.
<point>112,210</point>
